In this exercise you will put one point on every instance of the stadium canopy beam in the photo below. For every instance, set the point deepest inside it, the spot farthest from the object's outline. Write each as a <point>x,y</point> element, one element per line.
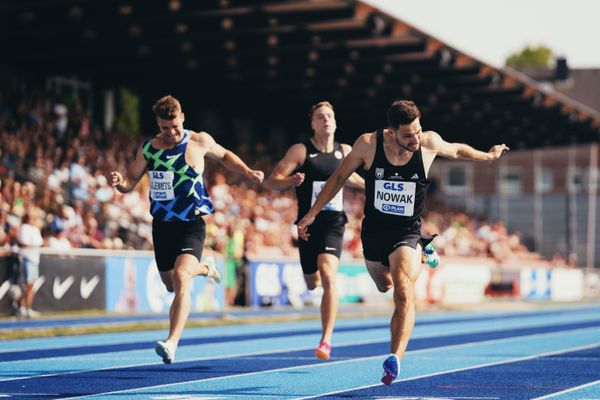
<point>292,53</point>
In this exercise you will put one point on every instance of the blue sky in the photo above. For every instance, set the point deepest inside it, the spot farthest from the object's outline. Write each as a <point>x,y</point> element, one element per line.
<point>492,30</point>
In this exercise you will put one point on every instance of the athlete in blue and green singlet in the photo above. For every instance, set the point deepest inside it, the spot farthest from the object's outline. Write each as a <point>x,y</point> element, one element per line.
<point>174,162</point>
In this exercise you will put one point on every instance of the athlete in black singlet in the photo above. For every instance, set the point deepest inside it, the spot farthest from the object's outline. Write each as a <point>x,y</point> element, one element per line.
<point>396,161</point>
<point>306,166</point>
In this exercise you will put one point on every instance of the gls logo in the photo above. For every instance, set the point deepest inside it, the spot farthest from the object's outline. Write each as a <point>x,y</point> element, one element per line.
<point>158,175</point>
<point>393,186</point>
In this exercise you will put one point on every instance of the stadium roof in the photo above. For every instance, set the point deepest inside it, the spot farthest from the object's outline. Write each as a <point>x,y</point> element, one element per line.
<point>290,54</point>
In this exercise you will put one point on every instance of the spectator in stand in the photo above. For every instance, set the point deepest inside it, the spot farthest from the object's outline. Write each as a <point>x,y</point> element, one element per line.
<point>58,240</point>
<point>234,253</point>
<point>4,226</point>
<point>30,241</point>
<point>30,148</point>
<point>92,237</point>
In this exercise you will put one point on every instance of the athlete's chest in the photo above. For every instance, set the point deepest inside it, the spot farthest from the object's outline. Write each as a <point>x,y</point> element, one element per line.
<point>396,158</point>
<point>317,162</point>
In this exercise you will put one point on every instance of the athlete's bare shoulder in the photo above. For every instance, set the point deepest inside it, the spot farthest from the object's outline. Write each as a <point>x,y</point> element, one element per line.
<point>202,138</point>
<point>196,136</point>
<point>296,153</point>
<point>297,147</point>
<point>365,141</point>
<point>364,148</point>
<point>430,140</point>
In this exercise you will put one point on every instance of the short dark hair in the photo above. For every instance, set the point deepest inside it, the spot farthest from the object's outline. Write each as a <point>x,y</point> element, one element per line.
<point>167,107</point>
<point>402,112</point>
<point>319,105</point>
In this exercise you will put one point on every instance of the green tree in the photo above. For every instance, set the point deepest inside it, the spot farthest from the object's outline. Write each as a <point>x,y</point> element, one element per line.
<point>540,56</point>
<point>128,120</point>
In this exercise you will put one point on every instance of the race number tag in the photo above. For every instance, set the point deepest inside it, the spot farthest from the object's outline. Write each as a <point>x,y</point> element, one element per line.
<point>397,198</point>
<point>336,204</point>
<point>161,185</point>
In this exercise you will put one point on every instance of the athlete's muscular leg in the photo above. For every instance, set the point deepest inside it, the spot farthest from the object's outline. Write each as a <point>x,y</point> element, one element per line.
<point>328,266</point>
<point>380,275</point>
<point>405,266</point>
<point>179,280</point>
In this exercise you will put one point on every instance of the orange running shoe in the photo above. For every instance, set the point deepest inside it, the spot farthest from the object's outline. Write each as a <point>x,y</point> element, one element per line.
<point>323,352</point>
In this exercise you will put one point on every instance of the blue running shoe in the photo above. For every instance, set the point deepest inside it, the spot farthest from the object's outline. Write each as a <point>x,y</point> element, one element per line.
<point>391,369</point>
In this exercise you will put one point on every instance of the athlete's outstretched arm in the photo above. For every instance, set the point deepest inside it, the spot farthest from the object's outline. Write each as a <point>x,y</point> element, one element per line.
<point>230,160</point>
<point>126,183</point>
<point>461,151</point>
<point>281,178</point>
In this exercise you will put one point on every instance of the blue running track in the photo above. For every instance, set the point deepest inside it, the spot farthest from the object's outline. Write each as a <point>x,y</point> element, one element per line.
<point>547,354</point>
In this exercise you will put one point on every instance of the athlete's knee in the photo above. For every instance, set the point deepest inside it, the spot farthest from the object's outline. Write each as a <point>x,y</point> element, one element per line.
<point>181,278</point>
<point>402,296</point>
<point>328,281</point>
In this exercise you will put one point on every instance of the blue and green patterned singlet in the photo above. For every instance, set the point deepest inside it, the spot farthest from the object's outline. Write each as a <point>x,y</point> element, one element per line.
<point>177,192</point>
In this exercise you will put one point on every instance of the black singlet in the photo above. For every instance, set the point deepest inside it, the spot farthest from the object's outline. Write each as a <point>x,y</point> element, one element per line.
<point>394,195</point>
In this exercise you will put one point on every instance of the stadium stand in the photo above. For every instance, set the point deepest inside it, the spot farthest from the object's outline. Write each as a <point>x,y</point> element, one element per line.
<point>55,170</point>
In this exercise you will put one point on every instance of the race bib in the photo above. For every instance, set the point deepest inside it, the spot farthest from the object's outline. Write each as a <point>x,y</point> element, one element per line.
<point>397,198</point>
<point>336,204</point>
<point>161,185</point>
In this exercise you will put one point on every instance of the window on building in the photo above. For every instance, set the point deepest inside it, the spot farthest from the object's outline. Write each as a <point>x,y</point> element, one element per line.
<point>456,179</point>
<point>511,180</point>
<point>544,180</point>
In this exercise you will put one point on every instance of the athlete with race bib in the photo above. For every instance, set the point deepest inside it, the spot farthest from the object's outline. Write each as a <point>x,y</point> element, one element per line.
<point>395,161</point>
<point>306,167</point>
<point>174,162</point>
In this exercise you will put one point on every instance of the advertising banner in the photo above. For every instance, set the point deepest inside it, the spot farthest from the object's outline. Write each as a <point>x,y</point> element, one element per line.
<point>566,284</point>
<point>458,280</point>
<point>276,283</point>
<point>69,282</point>
<point>10,292</point>
<point>134,285</point>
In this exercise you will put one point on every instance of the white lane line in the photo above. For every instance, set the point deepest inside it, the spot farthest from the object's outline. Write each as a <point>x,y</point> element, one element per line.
<point>573,389</point>
<point>432,349</point>
<point>550,353</point>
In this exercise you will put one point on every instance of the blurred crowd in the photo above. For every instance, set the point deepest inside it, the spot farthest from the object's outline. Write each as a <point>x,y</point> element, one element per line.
<point>53,161</point>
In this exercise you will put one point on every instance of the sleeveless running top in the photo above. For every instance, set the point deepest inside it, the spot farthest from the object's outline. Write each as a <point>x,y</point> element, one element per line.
<point>177,191</point>
<point>317,168</point>
<point>394,195</point>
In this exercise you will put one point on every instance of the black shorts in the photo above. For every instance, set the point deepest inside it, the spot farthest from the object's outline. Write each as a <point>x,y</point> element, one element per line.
<point>326,237</point>
<point>378,245</point>
<point>174,238</point>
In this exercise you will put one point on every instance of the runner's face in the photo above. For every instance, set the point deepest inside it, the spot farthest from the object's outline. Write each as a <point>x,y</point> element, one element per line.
<point>409,136</point>
<point>323,121</point>
<point>171,129</point>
